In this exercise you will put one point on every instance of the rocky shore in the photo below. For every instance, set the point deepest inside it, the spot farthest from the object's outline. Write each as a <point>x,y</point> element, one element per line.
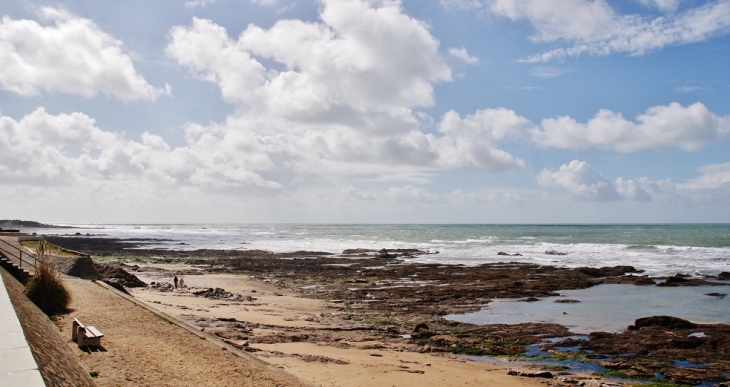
<point>380,294</point>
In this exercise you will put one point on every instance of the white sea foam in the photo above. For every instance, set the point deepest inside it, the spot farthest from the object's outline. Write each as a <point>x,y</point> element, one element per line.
<point>651,248</point>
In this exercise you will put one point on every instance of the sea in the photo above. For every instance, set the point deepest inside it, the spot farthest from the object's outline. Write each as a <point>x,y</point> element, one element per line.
<point>659,250</point>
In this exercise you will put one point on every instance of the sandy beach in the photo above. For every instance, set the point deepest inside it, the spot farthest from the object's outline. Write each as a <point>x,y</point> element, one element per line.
<point>372,318</point>
<point>141,349</point>
<point>356,359</point>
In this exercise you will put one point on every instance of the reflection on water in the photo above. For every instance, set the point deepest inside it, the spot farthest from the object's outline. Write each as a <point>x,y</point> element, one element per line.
<point>609,307</point>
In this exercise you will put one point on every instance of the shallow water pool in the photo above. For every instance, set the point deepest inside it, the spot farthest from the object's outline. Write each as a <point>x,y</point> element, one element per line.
<point>608,308</point>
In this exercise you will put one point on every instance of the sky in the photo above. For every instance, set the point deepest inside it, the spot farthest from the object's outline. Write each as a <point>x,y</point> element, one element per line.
<point>365,111</point>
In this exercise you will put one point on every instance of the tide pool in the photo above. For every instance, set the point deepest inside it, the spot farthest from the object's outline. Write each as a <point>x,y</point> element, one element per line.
<point>609,308</point>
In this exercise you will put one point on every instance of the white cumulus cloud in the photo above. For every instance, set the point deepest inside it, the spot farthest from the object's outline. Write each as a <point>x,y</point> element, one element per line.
<point>665,126</point>
<point>462,54</point>
<point>362,64</point>
<point>337,97</point>
<point>664,5</point>
<point>69,55</point>
<point>594,27</point>
<point>581,180</point>
<point>472,140</point>
<point>59,150</point>
<point>712,176</point>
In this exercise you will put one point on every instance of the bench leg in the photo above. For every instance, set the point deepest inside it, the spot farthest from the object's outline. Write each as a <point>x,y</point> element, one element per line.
<point>74,330</point>
<point>81,337</point>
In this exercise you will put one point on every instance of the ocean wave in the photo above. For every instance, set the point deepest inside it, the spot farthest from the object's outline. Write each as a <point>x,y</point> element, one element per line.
<point>641,247</point>
<point>470,245</point>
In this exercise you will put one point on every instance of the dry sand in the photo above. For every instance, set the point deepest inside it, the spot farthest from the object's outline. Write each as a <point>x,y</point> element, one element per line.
<point>275,307</point>
<point>142,349</point>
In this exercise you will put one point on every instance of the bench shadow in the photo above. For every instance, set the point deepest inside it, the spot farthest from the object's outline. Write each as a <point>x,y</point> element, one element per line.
<point>90,349</point>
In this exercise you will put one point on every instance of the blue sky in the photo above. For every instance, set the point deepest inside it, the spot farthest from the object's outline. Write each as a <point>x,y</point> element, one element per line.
<point>451,111</point>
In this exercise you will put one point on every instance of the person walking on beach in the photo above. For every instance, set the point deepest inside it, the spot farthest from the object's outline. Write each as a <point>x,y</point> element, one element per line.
<point>175,281</point>
<point>182,283</point>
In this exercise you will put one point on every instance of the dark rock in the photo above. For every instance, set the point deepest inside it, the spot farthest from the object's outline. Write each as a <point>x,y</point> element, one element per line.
<point>606,271</point>
<point>644,281</point>
<point>532,374</point>
<point>566,301</point>
<point>724,276</point>
<point>681,280</point>
<point>664,321</point>
<point>161,286</point>
<point>357,251</point>
<point>221,294</point>
<point>687,343</point>
<point>420,326</point>
<point>383,254</point>
<point>81,267</point>
<point>600,335</point>
<point>615,365</point>
<point>718,295</point>
<point>676,280</point>
<point>113,272</point>
<point>320,359</point>
<point>553,252</point>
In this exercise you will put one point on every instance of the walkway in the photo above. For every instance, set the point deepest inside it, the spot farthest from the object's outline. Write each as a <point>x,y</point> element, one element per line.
<point>18,255</point>
<point>17,365</point>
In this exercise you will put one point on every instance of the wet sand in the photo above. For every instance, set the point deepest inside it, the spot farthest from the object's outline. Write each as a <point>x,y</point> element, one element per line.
<point>316,313</point>
<point>356,359</point>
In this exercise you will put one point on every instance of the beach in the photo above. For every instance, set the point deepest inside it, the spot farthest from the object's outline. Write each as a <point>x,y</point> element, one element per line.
<point>352,358</point>
<point>343,319</point>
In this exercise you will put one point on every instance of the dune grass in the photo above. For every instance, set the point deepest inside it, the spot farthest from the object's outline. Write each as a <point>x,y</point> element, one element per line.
<point>52,249</point>
<point>45,288</point>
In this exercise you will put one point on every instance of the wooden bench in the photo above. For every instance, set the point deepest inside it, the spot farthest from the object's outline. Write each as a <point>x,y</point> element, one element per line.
<point>85,336</point>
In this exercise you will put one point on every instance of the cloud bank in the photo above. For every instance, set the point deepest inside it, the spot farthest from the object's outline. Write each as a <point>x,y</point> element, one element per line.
<point>71,55</point>
<point>594,27</point>
<point>664,126</point>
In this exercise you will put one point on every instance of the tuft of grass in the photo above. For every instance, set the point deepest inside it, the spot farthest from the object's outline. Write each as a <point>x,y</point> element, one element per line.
<point>611,374</point>
<point>426,341</point>
<point>51,249</point>
<point>472,351</point>
<point>45,288</point>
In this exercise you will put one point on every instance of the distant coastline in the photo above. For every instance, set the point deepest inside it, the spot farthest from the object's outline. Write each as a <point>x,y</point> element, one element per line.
<point>16,223</point>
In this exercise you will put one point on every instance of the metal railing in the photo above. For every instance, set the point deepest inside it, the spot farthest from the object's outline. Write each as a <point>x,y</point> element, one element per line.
<point>19,255</point>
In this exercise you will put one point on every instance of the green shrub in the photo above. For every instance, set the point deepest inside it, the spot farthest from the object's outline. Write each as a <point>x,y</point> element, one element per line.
<point>45,288</point>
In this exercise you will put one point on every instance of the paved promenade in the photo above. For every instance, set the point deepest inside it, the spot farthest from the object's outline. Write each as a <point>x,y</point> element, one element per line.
<point>17,365</point>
